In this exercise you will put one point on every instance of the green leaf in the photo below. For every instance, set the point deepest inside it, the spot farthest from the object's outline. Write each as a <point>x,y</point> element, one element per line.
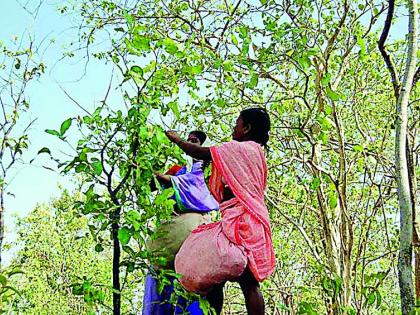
<point>99,248</point>
<point>228,65</point>
<point>243,31</point>
<point>143,133</point>
<point>175,109</point>
<point>77,289</point>
<point>326,284</point>
<point>204,305</point>
<point>141,43</point>
<point>170,46</point>
<point>44,150</point>
<point>137,70</point>
<point>3,280</point>
<point>304,61</point>
<point>328,109</point>
<point>378,299</point>
<point>371,298</point>
<point>332,200</point>
<point>362,45</point>
<point>83,156</point>
<point>253,82</point>
<point>97,167</point>
<point>315,183</point>
<point>196,69</point>
<point>332,95</point>
<point>358,148</point>
<point>65,126</point>
<point>338,283</point>
<point>53,132</point>
<point>234,39</point>
<point>129,251</point>
<point>124,235</point>
<point>323,136</point>
<point>80,168</point>
<point>129,18</point>
<point>130,266</point>
<point>326,79</point>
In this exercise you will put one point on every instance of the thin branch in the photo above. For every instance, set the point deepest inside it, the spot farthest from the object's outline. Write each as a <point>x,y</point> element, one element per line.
<point>381,45</point>
<point>300,228</point>
<point>73,100</point>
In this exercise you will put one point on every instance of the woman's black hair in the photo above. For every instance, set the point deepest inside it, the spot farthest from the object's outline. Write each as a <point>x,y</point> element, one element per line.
<point>200,135</point>
<point>259,120</point>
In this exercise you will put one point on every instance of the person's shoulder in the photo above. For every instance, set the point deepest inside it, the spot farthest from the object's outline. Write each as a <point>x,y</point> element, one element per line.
<point>245,146</point>
<point>252,145</point>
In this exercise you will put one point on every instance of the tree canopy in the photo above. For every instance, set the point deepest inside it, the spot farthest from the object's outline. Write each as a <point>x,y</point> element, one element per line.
<point>329,76</point>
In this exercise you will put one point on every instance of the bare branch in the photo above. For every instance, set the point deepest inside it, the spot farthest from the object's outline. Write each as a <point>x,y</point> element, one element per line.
<point>390,64</point>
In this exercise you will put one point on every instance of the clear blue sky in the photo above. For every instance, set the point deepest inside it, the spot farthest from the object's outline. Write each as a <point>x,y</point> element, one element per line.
<point>49,105</point>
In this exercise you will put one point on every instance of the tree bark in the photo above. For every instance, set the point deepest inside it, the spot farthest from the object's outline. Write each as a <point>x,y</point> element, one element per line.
<point>416,214</point>
<point>1,223</point>
<point>116,285</point>
<point>405,272</point>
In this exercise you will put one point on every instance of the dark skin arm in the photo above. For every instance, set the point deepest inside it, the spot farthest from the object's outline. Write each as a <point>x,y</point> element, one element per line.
<point>192,149</point>
<point>164,179</point>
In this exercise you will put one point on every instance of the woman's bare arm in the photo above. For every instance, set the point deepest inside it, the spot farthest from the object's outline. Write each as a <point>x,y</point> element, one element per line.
<point>164,179</point>
<point>192,149</point>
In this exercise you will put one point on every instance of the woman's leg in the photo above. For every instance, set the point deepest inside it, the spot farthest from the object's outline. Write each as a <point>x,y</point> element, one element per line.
<point>215,297</point>
<point>254,300</point>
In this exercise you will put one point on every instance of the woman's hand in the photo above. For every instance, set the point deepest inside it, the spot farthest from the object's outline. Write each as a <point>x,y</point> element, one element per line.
<point>165,179</point>
<point>173,136</point>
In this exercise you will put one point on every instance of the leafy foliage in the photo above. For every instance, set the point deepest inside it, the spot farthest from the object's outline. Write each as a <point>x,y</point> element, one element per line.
<point>315,66</point>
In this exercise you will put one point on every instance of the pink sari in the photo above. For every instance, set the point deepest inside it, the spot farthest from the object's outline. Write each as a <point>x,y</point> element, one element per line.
<point>220,251</point>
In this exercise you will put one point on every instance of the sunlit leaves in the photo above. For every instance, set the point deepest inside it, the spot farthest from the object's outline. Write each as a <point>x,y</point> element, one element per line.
<point>44,150</point>
<point>170,46</point>
<point>53,132</point>
<point>89,292</point>
<point>65,126</point>
<point>141,43</point>
<point>325,90</point>
<point>124,235</point>
<point>97,167</point>
<point>334,96</point>
<point>228,65</point>
<point>326,79</point>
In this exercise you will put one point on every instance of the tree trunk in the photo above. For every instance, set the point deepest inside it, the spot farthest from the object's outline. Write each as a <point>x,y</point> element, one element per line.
<point>116,294</point>
<point>1,224</point>
<point>402,174</point>
<point>416,214</point>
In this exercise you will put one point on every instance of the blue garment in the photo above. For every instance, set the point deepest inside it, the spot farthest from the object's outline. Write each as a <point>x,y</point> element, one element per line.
<point>191,192</point>
<point>191,195</point>
<point>155,303</point>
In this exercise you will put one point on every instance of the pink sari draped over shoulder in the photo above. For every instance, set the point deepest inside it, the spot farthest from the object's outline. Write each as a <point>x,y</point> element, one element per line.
<point>220,251</point>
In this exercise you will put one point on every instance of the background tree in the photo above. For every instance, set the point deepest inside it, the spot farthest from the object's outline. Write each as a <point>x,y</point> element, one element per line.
<point>311,65</point>
<point>18,67</point>
<point>59,263</point>
<point>405,174</point>
<point>315,66</point>
<point>116,156</point>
